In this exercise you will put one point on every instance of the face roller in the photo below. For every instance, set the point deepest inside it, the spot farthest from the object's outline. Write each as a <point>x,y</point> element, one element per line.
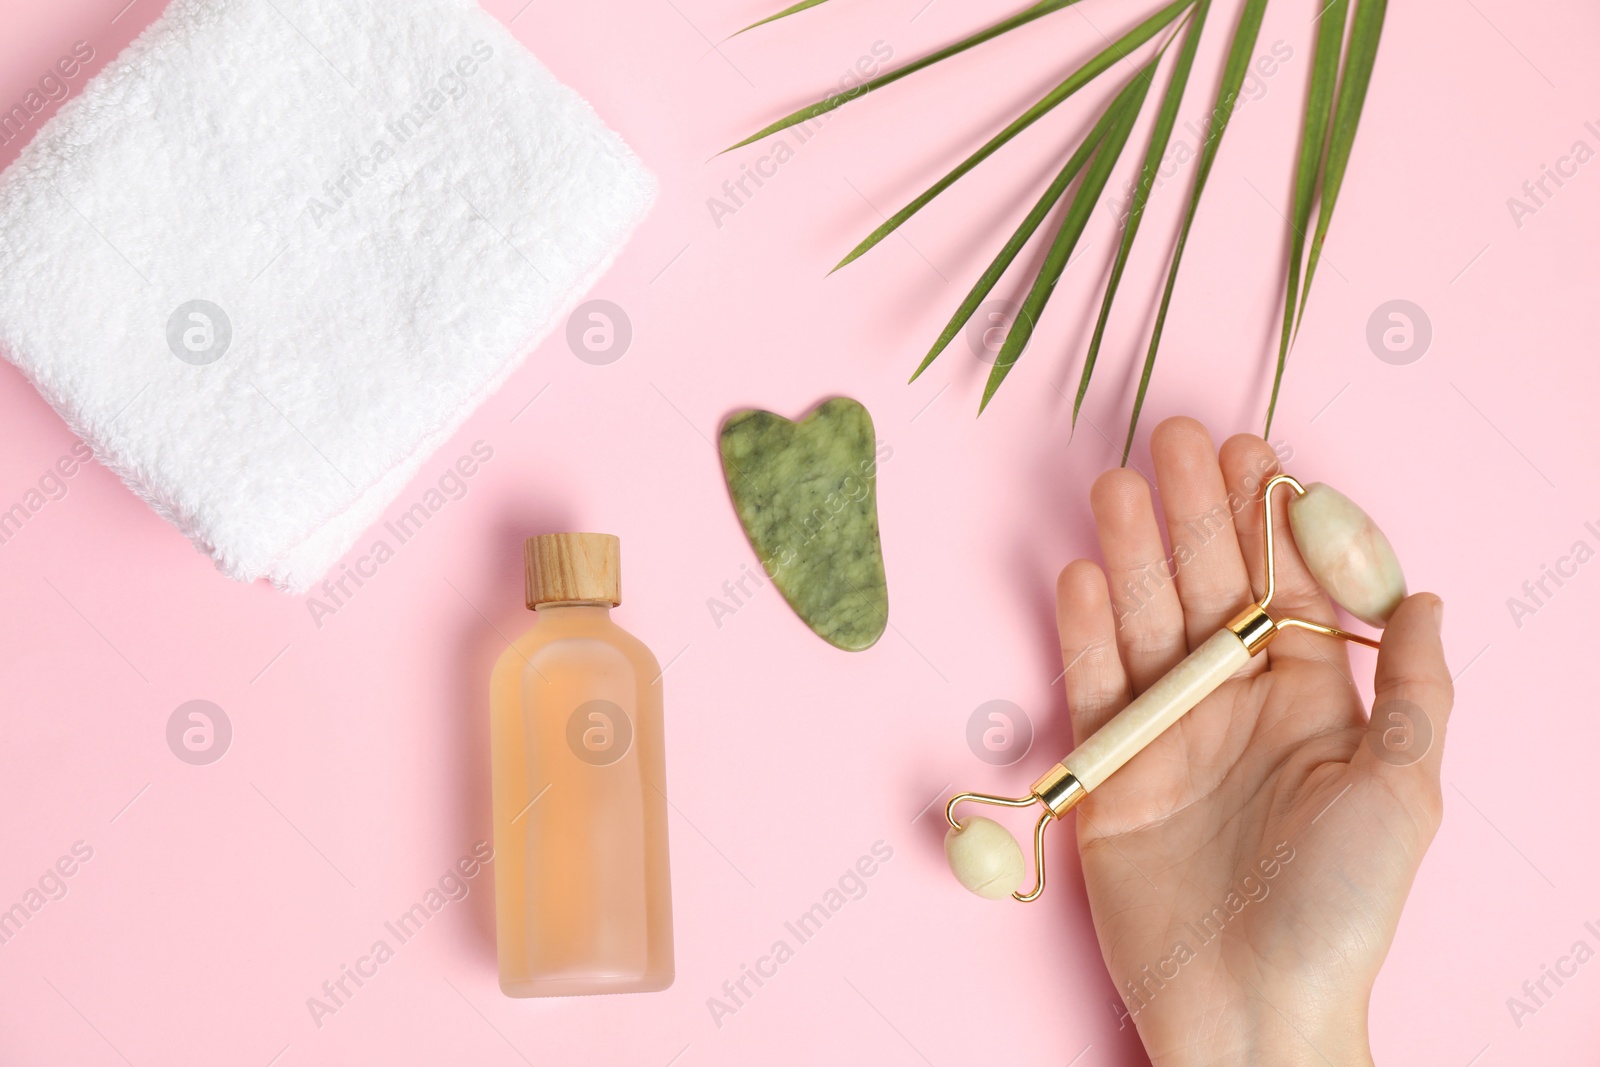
<point>1349,557</point>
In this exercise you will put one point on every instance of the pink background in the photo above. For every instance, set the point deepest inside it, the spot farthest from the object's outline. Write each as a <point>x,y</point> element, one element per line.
<point>220,897</point>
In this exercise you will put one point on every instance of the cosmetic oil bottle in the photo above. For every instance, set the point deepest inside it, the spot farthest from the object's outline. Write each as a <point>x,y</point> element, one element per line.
<point>583,899</point>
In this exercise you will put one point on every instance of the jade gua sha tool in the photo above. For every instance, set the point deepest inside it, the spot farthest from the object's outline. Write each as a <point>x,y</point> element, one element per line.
<point>806,495</point>
<point>1349,557</point>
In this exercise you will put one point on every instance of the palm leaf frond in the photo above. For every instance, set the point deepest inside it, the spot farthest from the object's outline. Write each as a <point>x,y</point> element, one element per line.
<point>1096,66</point>
<point>997,267</point>
<point>1308,171</point>
<point>1126,112</point>
<point>785,13</point>
<point>1233,71</point>
<point>1337,89</point>
<point>844,96</point>
<point>1160,136</point>
<point>1360,54</point>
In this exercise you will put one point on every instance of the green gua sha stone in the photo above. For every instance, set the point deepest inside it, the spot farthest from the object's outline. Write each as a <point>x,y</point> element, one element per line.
<point>806,495</point>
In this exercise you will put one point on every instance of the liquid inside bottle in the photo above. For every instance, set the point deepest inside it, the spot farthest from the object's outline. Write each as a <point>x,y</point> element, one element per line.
<point>582,890</point>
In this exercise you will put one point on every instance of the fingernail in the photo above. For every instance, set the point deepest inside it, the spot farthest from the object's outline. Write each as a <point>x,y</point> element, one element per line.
<point>1438,614</point>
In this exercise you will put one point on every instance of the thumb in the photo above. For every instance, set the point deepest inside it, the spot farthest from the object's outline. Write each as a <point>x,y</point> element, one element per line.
<point>1412,696</point>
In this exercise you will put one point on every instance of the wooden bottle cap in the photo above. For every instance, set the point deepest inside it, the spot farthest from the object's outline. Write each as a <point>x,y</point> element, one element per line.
<point>573,568</point>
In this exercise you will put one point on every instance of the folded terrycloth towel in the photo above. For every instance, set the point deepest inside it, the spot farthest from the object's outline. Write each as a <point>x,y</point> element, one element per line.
<point>278,250</point>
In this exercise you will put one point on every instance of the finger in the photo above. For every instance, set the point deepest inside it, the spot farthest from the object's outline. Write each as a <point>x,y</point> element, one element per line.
<point>1149,619</point>
<point>1096,684</point>
<point>1212,582</point>
<point>1248,463</point>
<point>1412,696</point>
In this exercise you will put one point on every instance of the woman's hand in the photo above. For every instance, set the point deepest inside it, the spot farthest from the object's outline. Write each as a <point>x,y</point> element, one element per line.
<point>1246,871</point>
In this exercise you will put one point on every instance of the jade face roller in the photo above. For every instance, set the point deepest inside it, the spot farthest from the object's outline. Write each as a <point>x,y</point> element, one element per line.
<point>1349,557</point>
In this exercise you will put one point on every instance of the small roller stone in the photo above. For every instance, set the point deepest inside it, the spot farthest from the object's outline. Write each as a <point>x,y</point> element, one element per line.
<point>1347,554</point>
<point>985,858</point>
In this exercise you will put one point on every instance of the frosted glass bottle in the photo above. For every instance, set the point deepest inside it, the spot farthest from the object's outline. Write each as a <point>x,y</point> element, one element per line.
<point>583,897</point>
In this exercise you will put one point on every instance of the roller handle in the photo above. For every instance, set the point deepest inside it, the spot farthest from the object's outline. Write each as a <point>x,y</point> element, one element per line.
<point>1155,709</point>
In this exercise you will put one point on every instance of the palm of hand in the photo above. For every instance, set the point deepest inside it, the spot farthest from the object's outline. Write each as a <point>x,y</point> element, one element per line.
<point>1246,870</point>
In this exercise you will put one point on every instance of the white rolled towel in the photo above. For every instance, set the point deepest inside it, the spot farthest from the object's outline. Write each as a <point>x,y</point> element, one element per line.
<point>278,250</point>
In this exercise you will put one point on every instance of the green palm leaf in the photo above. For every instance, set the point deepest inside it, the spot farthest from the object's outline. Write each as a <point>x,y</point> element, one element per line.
<point>1313,142</point>
<point>1360,55</point>
<point>997,267</point>
<point>790,10</point>
<point>1339,80</point>
<point>1126,109</point>
<point>1160,136</point>
<point>1239,53</point>
<point>1096,66</point>
<point>839,99</point>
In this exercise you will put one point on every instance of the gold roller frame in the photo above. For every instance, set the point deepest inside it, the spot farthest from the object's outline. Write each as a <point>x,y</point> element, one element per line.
<point>1148,715</point>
